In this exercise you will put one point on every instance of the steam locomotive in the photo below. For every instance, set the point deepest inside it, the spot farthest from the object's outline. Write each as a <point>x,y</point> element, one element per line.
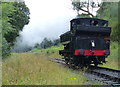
<point>87,42</point>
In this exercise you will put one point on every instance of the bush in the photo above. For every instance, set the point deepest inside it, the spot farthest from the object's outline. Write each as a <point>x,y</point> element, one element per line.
<point>5,48</point>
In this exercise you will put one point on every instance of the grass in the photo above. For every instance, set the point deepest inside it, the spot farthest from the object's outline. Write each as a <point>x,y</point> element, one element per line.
<point>35,69</point>
<point>113,59</point>
<point>52,52</point>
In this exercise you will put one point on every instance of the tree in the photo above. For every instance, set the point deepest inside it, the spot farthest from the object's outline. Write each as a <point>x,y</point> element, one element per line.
<point>46,43</point>
<point>17,18</point>
<point>109,11</point>
<point>56,42</point>
<point>37,45</point>
<point>14,16</point>
<point>85,6</point>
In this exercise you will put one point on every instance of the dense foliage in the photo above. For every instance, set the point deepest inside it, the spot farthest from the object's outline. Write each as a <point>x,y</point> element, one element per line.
<point>85,7</point>
<point>47,43</point>
<point>14,16</point>
<point>110,11</point>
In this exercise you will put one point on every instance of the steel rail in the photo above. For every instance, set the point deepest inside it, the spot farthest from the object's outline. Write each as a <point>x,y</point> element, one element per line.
<point>108,75</point>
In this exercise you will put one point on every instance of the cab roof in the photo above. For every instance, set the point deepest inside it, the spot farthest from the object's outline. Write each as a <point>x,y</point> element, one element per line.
<point>89,19</point>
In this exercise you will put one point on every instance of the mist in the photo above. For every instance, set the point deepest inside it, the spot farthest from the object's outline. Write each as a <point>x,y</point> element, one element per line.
<point>48,18</point>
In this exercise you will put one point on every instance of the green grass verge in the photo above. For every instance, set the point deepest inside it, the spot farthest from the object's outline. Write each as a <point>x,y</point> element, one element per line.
<point>52,52</point>
<point>35,69</point>
<point>113,59</point>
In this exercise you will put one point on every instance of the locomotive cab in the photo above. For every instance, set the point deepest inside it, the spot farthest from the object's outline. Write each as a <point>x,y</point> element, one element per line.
<point>88,22</point>
<point>88,40</point>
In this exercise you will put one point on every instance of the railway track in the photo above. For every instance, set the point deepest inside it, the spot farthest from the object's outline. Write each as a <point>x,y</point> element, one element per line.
<point>102,74</point>
<point>106,75</point>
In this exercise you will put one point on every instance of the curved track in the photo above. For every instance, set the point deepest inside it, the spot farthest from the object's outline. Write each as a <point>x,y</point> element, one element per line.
<point>106,75</point>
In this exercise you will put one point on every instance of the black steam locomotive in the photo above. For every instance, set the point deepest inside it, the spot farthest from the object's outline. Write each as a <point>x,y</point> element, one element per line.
<point>87,42</point>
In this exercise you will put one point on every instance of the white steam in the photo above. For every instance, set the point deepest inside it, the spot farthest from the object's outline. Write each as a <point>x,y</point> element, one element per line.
<point>48,18</point>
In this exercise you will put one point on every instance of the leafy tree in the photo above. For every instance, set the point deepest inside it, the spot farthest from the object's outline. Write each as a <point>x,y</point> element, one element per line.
<point>16,19</point>
<point>56,42</point>
<point>37,45</point>
<point>109,11</point>
<point>5,48</point>
<point>83,15</point>
<point>14,16</point>
<point>46,43</point>
<point>85,6</point>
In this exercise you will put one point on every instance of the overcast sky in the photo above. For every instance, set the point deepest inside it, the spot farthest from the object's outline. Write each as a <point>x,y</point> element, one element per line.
<point>48,18</point>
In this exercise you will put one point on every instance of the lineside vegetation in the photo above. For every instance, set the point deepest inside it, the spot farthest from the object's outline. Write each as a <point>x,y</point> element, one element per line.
<point>35,69</point>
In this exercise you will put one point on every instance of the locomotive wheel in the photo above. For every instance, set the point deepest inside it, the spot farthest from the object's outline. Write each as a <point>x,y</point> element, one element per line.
<point>96,64</point>
<point>71,63</point>
<point>67,61</point>
<point>96,61</point>
<point>82,63</point>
